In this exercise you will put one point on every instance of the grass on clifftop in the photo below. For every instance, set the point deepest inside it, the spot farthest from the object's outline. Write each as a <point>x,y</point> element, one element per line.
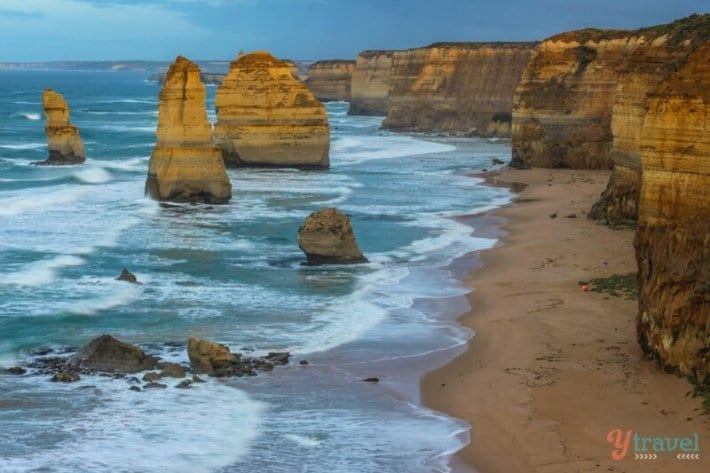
<point>704,394</point>
<point>617,285</point>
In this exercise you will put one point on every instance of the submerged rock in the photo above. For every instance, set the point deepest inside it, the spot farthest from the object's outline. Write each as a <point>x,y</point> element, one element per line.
<point>107,354</point>
<point>63,139</point>
<point>185,166</point>
<point>66,377</point>
<point>326,237</point>
<point>127,276</point>
<point>267,117</point>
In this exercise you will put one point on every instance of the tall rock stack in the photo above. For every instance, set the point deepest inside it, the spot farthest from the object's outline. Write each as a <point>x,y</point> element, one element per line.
<point>463,88</point>
<point>63,139</point>
<point>330,80</point>
<point>268,117</point>
<point>673,237</point>
<point>370,86</point>
<point>185,165</point>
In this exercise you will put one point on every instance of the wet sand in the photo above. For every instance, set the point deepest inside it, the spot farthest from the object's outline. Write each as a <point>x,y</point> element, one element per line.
<point>552,369</point>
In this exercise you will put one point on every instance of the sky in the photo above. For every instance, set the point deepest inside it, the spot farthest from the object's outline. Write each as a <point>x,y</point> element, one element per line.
<point>47,30</point>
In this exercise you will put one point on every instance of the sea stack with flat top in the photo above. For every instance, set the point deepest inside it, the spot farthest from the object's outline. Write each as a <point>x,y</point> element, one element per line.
<point>267,117</point>
<point>185,165</point>
<point>326,237</point>
<point>63,139</point>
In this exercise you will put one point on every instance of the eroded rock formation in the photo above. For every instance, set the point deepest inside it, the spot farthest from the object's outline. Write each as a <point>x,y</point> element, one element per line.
<point>456,87</point>
<point>326,237</point>
<point>673,237</point>
<point>330,80</point>
<point>369,90</point>
<point>267,117</point>
<point>63,139</point>
<point>185,165</point>
<point>106,354</point>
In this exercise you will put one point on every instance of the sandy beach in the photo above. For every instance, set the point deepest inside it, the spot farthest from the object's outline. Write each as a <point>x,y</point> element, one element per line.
<point>552,369</point>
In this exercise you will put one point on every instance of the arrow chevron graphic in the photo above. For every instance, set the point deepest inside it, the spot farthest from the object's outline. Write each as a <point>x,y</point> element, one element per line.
<point>688,456</point>
<point>645,456</point>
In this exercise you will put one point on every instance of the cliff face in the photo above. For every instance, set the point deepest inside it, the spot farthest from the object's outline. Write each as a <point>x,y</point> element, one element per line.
<point>63,139</point>
<point>330,80</point>
<point>371,83</point>
<point>673,237</point>
<point>185,166</point>
<point>658,51</point>
<point>456,87</point>
<point>267,117</point>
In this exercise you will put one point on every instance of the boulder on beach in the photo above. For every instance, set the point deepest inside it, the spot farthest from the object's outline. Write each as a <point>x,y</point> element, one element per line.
<point>185,166</point>
<point>326,237</point>
<point>208,357</point>
<point>63,139</point>
<point>107,354</point>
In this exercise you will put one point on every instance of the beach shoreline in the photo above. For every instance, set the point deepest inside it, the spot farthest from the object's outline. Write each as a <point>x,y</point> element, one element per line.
<point>552,369</point>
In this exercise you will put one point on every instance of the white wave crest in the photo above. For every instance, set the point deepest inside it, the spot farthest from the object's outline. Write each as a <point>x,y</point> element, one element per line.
<point>40,273</point>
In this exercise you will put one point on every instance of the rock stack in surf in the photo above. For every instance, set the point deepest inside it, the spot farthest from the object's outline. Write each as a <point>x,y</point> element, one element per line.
<point>63,139</point>
<point>267,117</point>
<point>185,166</point>
<point>326,237</point>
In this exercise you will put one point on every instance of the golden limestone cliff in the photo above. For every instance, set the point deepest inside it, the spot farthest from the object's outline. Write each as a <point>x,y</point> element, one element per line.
<point>330,80</point>
<point>456,87</point>
<point>562,112</point>
<point>655,54</point>
<point>267,117</point>
<point>185,166</point>
<point>369,91</point>
<point>63,139</point>
<point>673,237</point>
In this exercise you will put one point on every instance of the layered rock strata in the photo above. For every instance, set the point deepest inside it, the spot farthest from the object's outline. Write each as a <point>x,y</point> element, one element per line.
<point>330,80</point>
<point>673,238</point>
<point>463,88</point>
<point>326,237</point>
<point>267,117</point>
<point>185,165</point>
<point>63,139</point>
<point>369,90</point>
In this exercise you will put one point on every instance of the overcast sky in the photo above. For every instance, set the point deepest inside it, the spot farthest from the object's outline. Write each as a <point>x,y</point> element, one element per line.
<point>43,30</point>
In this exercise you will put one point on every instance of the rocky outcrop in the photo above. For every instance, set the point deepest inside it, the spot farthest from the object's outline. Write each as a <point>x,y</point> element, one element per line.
<point>562,114</point>
<point>326,237</point>
<point>268,117</point>
<point>649,60</point>
<point>330,80</point>
<point>106,354</point>
<point>63,139</point>
<point>463,88</point>
<point>369,90</point>
<point>207,357</point>
<point>673,238</point>
<point>185,166</point>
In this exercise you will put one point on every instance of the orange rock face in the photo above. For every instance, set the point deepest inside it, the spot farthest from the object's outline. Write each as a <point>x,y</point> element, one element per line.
<point>185,166</point>
<point>371,83</point>
<point>673,237</point>
<point>330,80</point>
<point>456,87</point>
<point>63,139</point>
<point>267,117</point>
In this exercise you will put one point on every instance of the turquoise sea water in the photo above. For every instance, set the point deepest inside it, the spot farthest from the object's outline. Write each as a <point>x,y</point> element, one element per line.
<point>232,274</point>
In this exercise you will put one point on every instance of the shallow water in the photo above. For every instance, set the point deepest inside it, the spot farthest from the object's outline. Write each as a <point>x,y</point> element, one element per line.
<point>230,274</point>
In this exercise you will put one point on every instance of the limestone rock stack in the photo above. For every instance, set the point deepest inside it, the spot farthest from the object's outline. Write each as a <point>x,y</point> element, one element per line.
<point>462,88</point>
<point>185,165</point>
<point>330,80</point>
<point>673,237</point>
<point>63,139</point>
<point>370,86</point>
<point>326,237</point>
<point>268,117</point>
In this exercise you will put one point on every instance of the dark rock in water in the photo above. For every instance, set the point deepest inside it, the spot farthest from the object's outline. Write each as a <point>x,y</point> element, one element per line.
<point>197,379</point>
<point>154,385</point>
<point>152,376</point>
<point>16,370</point>
<point>187,384</point>
<point>303,362</point>
<point>371,380</point>
<point>107,354</point>
<point>135,388</point>
<point>278,358</point>
<point>127,276</point>
<point>326,237</point>
<point>66,377</point>
<point>497,161</point>
<point>208,357</point>
<point>171,370</point>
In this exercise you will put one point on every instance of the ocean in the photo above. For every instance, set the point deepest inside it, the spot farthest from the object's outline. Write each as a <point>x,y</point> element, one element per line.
<point>230,274</point>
